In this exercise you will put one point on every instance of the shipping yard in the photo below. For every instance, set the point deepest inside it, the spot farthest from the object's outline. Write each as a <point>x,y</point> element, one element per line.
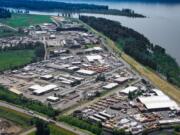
<point>78,67</point>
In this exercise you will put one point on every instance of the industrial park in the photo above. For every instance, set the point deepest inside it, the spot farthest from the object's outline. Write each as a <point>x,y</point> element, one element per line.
<point>79,67</point>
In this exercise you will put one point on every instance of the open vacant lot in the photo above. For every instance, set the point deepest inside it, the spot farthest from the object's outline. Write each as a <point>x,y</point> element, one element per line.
<point>12,59</point>
<point>23,20</point>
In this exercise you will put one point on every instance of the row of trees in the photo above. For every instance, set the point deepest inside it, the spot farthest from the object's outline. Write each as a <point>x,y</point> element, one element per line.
<point>152,1</point>
<point>66,8</point>
<point>49,5</point>
<point>94,128</point>
<point>42,127</point>
<point>120,132</point>
<point>137,46</point>
<point>4,13</point>
<point>8,96</point>
<point>123,12</point>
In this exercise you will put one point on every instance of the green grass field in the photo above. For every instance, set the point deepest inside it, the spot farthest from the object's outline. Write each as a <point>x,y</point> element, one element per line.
<point>6,32</point>
<point>24,20</point>
<point>54,130</point>
<point>16,117</point>
<point>16,58</point>
<point>59,131</point>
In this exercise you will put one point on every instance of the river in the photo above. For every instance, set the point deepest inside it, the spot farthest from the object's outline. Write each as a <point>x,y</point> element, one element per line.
<point>162,25</point>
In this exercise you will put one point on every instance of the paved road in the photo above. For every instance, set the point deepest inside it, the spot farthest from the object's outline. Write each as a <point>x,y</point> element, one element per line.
<point>8,26</point>
<point>59,124</point>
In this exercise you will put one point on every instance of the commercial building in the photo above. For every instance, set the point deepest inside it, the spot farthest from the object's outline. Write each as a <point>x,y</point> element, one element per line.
<point>129,89</point>
<point>39,90</point>
<point>47,77</point>
<point>86,72</point>
<point>92,58</point>
<point>154,103</point>
<point>110,86</point>
<point>121,80</point>
<point>53,99</point>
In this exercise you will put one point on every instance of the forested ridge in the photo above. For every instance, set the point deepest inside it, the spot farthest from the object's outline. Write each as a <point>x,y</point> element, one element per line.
<point>146,1</point>
<point>4,13</point>
<point>49,5</point>
<point>66,7</point>
<point>137,46</point>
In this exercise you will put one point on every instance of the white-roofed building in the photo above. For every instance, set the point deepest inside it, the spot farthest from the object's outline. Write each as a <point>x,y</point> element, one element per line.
<point>159,102</point>
<point>121,80</point>
<point>86,72</point>
<point>39,90</point>
<point>47,77</point>
<point>53,99</point>
<point>35,87</point>
<point>92,58</point>
<point>110,86</point>
<point>129,89</point>
<point>158,92</point>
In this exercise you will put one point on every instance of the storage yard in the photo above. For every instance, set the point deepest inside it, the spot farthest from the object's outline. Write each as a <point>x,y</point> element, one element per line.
<point>150,110</point>
<point>78,67</point>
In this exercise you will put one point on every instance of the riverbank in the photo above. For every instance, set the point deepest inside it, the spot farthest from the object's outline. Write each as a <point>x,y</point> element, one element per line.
<point>156,80</point>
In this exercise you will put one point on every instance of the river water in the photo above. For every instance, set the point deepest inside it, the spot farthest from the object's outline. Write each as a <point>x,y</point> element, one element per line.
<point>162,25</point>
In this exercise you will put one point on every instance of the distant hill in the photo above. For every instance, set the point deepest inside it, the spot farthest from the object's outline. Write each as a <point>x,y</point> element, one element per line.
<point>168,1</point>
<point>147,1</point>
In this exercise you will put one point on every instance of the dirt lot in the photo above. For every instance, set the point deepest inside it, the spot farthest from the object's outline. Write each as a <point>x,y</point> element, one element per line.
<point>8,128</point>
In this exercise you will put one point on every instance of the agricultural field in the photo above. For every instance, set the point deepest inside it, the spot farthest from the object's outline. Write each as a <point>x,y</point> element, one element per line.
<point>16,117</point>
<point>24,20</point>
<point>15,58</point>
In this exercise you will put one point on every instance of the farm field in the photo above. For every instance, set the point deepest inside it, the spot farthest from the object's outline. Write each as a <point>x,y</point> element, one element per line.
<point>19,118</point>
<point>15,58</point>
<point>24,20</point>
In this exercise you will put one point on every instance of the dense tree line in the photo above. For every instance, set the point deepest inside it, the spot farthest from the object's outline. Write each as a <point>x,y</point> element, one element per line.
<point>42,127</point>
<point>149,1</point>
<point>137,46</point>
<point>67,8</point>
<point>8,96</point>
<point>4,13</point>
<point>83,124</point>
<point>49,5</point>
<point>120,132</point>
<point>123,12</point>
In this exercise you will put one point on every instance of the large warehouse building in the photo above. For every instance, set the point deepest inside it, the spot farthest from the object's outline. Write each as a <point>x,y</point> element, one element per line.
<point>39,90</point>
<point>160,101</point>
